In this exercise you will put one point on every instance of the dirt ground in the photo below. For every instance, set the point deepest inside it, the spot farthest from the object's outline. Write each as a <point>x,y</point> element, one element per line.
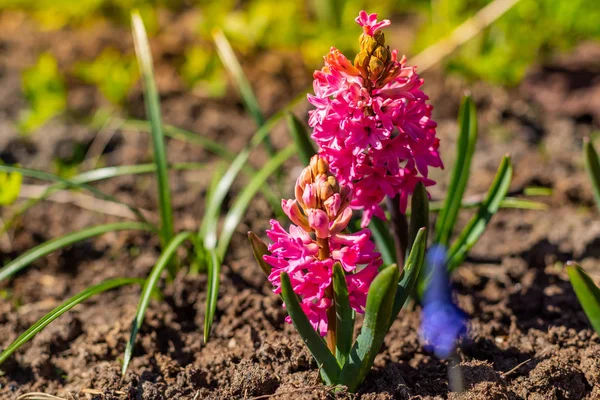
<point>528,337</point>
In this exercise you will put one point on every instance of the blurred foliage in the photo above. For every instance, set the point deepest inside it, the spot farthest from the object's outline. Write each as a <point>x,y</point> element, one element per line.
<point>529,32</point>
<point>113,73</point>
<point>45,92</point>
<point>10,186</point>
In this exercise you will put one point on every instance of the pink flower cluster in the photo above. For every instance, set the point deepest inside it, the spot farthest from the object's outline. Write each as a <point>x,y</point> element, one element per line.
<point>372,122</point>
<point>311,247</point>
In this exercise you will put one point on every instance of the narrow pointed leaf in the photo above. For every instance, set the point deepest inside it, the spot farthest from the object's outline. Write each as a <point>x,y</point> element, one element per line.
<point>592,166</point>
<point>384,240</point>
<point>142,50</point>
<point>467,139</point>
<point>63,308</point>
<point>329,366</point>
<point>234,68</point>
<point>411,272</point>
<point>212,292</point>
<point>94,175</point>
<point>419,214</point>
<point>508,202</point>
<point>399,226</point>
<point>587,292</point>
<point>476,226</point>
<point>260,249</point>
<point>344,315</point>
<point>378,312</point>
<point>32,173</point>
<point>149,285</point>
<point>50,246</point>
<point>304,144</point>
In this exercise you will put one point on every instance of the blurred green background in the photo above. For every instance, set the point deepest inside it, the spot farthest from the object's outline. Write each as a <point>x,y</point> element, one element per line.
<point>529,32</point>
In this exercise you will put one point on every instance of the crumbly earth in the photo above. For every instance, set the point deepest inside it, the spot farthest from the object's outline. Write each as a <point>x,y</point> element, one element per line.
<point>528,338</point>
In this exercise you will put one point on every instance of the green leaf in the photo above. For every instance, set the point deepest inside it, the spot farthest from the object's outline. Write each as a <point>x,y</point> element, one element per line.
<point>63,308</point>
<point>476,226</point>
<point>419,215</point>
<point>384,240</point>
<point>94,176</point>
<point>301,135</point>
<point>592,166</point>
<point>330,368</point>
<point>259,249</point>
<point>50,246</point>
<point>587,292</point>
<point>142,50</point>
<point>234,68</point>
<point>32,173</point>
<point>410,273</point>
<point>344,315</point>
<point>212,291</point>
<point>241,203</point>
<point>508,202</point>
<point>147,290</point>
<point>378,312</point>
<point>10,186</point>
<point>467,139</point>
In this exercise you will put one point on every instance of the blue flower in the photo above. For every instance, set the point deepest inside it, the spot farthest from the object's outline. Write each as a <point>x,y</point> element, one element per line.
<point>442,322</point>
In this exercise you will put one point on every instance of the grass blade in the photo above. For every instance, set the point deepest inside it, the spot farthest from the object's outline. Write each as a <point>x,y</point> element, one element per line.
<point>142,50</point>
<point>149,285</point>
<point>467,139</point>
<point>94,176</point>
<point>32,173</point>
<point>299,132</point>
<point>384,240</point>
<point>50,246</point>
<point>378,311</point>
<point>241,203</point>
<point>344,315</point>
<point>63,308</point>
<point>234,68</point>
<point>587,292</point>
<point>329,366</point>
<point>476,226</point>
<point>411,273</point>
<point>508,202</point>
<point>592,166</point>
<point>212,291</point>
<point>419,215</point>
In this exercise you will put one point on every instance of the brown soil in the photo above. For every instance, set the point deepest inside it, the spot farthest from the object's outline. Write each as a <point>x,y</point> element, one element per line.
<point>528,337</point>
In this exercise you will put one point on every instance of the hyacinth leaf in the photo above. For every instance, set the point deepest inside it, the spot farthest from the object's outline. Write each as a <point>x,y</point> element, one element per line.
<point>476,226</point>
<point>419,215</point>
<point>467,138</point>
<point>259,250</point>
<point>149,286</point>
<point>378,312</point>
<point>411,272</point>
<point>241,203</point>
<point>301,135</point>
<point>399,226</point>
<point>94,176</point>
<point>232,65</point>
<point>10,186</point>
<point>50,246</point>
<point>587,292</point>
<point>384,240</point>
<point>212,291</point>
<point>32,173</point>
<point>344,315</point>
<point>144,56</point>
<point>63,308</point>
<point>330,369</point>
<point>592,166</point>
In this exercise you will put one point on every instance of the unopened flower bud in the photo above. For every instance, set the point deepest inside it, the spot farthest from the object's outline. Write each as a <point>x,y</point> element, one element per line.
<point>382,53</point>
<point>319,222</point>
<point>318,165</point>
<point>291,209</point>
<point>376,67</point>
<point>309,196</point>
<point>341,222</point>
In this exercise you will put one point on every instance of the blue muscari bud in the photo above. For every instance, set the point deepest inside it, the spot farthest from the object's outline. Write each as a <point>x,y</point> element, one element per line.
<point>442,322</point>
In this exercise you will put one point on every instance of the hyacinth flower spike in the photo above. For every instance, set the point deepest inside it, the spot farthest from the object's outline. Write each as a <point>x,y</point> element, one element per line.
<point>326,274</point>
<point>442,322</point>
